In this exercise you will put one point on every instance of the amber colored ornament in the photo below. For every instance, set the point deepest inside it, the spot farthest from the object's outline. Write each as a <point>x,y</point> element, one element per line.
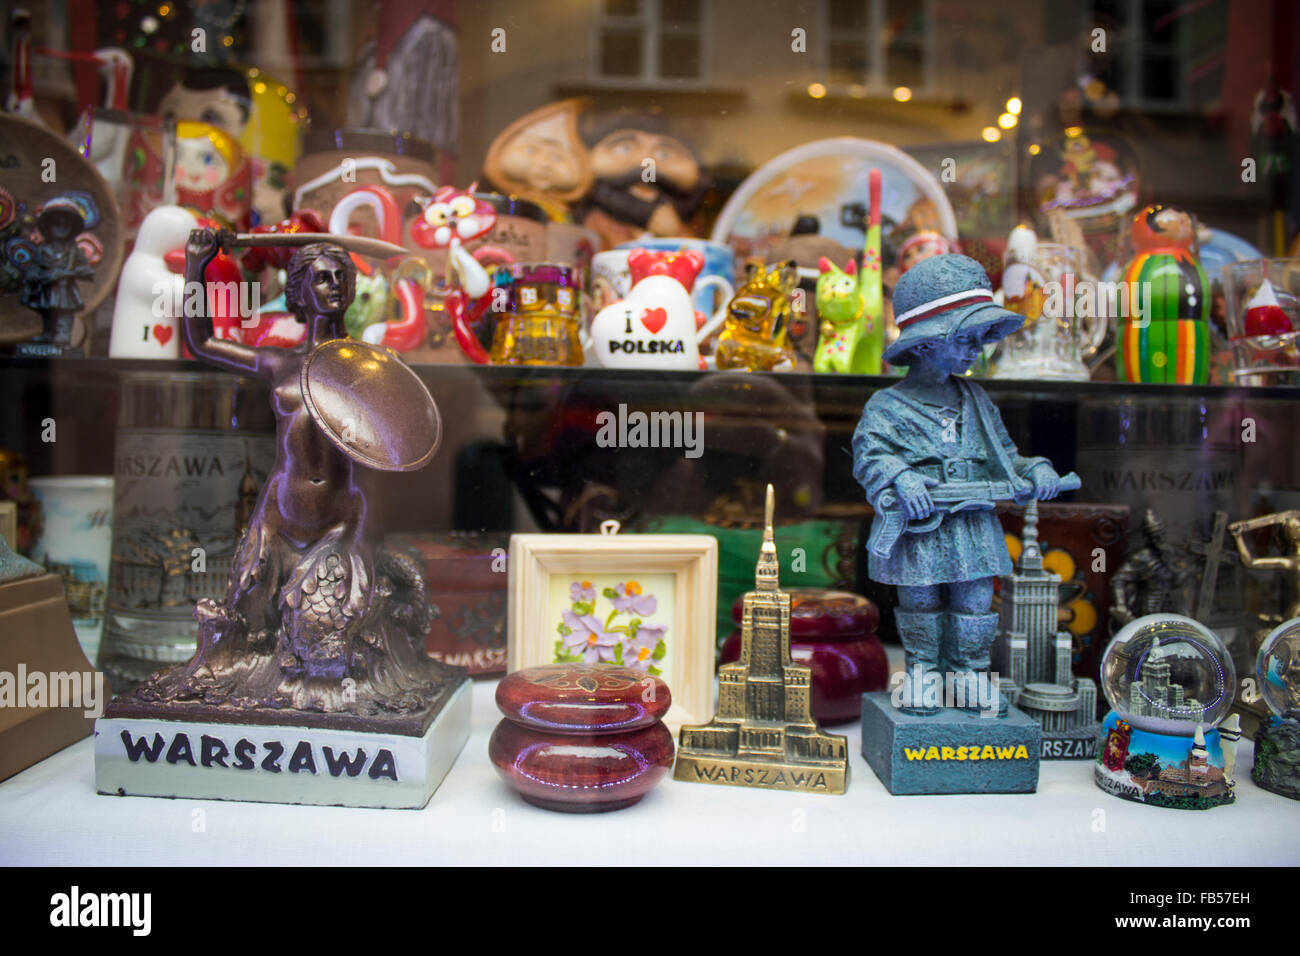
<point>758,317</point>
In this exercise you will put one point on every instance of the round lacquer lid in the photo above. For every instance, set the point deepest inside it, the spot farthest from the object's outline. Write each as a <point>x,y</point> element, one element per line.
<point>816,613</point>
<point>583,698</point>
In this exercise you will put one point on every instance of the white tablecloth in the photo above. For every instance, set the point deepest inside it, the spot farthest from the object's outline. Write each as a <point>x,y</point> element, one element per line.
<point>50,814</point>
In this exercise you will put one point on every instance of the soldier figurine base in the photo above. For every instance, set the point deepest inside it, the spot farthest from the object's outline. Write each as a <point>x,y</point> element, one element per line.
<point>310,683</point>
<point>953,751</point>
<point>934,459</point>
<point>764,734</point>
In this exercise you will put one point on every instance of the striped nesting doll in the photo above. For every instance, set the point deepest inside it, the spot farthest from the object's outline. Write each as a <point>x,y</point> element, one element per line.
<point>1171,343</point>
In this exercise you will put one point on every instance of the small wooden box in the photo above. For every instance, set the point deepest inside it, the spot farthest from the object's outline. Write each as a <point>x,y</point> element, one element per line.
<point>468,584</point>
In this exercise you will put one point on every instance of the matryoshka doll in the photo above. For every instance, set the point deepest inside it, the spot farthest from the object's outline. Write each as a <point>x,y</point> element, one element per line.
<point>213,177</point>
<point>1168,341</point>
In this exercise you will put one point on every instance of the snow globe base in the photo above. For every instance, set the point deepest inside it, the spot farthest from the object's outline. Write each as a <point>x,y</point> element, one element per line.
<point>1163,770</point>
<point>1277,757</point>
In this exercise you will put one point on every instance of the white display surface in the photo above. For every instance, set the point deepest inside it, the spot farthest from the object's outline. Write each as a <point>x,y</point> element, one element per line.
<point>51,815</point>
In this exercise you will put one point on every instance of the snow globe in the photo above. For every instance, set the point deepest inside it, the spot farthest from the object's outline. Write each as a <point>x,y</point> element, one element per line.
<point>1168,739</point>
<point>1277,741</point>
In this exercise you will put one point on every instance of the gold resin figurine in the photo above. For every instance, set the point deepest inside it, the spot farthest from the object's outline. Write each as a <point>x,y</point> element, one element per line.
<point>763,734</point>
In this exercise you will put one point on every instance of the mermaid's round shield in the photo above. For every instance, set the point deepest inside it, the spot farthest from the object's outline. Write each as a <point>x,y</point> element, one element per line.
<point>371,405</point>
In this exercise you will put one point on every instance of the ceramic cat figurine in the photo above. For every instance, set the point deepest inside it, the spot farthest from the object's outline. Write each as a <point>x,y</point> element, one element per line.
<point>850,305</point>
<point>754,336</point>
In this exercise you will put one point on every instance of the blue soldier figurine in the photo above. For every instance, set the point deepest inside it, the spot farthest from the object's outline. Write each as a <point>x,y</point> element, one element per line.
<point>934,457</point>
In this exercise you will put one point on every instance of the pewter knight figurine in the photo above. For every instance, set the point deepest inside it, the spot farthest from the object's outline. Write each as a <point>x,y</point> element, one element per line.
<point>933,456</point>
<point>1149,580</point>
<point>319,627</point>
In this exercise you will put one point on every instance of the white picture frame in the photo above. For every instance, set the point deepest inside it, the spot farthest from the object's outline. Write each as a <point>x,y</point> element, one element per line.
<point>692,560</point>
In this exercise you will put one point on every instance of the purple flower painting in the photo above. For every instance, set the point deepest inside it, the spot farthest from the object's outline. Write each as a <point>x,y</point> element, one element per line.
<point>623,635</point>
<point>587,639</point>
<point>631,600</point>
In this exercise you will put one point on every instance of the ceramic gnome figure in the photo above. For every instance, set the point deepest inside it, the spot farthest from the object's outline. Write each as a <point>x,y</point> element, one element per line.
<point>933,456</point>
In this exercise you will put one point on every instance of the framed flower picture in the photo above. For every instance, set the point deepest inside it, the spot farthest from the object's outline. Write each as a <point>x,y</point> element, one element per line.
<point>645,601</point>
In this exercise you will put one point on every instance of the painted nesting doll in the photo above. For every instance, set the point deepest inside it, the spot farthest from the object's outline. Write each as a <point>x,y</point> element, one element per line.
<point>1165,337</point>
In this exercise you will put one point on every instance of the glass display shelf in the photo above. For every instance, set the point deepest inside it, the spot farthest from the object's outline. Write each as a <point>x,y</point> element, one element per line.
<point>542,425</point>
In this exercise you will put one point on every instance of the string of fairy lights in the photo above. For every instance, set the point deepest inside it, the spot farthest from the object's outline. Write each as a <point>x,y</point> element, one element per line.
<point>1007,121</point>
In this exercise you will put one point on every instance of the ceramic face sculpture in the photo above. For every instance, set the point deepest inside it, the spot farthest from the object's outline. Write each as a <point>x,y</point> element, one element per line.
<point>540,156</point>
<point>645,180</point>
<point>933,455</point>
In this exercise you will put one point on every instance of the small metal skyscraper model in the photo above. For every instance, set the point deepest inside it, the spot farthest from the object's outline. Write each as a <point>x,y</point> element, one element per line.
<point>764,734</point>
<point>1042,683</point>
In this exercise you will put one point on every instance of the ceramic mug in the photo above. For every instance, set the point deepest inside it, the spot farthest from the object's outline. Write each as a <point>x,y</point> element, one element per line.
<point>146,323</point>
<point>75,543</point>
<point>719,261</point>
<point>652,327</point>
<point>611,279</point>
<point>1055,340</point>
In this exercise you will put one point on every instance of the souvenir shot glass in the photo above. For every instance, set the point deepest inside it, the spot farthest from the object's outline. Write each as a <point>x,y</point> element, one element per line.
<point>1055,338</point>
<point>1262,297</point>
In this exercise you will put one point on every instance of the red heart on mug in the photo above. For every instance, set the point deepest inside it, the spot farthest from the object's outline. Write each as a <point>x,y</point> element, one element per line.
<point>654,319</point>
<point>163,333</point>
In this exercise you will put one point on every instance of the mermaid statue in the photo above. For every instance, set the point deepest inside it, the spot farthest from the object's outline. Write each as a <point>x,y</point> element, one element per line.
<point>317,617</point>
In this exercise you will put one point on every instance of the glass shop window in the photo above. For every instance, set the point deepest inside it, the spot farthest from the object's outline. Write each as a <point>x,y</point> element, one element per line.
<point>645,42</point>
<point>880,45</point>
<point>1157,54</point>
<point>324,31</point>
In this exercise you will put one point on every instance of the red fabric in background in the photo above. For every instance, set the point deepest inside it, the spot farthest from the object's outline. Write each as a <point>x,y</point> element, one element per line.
<point>1260,33</point>
<point>82,38</point>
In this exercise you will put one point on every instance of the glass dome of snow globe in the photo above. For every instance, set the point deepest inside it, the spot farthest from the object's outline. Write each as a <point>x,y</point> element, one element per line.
<point>1278,669</point>
<point>1167,674</point>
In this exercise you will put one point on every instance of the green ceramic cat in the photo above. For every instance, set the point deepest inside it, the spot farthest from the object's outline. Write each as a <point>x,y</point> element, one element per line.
<point>850,306</point>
